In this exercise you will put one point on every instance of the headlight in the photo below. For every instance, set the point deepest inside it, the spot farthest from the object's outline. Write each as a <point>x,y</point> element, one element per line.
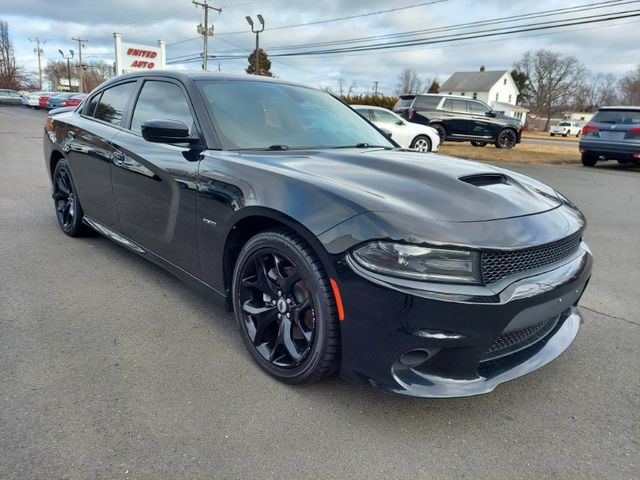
<point>420,263</point>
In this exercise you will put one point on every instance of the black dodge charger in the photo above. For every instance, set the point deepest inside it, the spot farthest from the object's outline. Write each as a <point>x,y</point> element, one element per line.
<point>419,275</point>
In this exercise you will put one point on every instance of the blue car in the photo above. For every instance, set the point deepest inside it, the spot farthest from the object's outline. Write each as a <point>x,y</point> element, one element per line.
<point>58,100</point>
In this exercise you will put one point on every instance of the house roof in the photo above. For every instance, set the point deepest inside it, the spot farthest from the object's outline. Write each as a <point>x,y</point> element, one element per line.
<point>472,81</point>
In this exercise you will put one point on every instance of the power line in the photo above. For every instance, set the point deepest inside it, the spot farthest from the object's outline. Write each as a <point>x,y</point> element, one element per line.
<point>462,36</point>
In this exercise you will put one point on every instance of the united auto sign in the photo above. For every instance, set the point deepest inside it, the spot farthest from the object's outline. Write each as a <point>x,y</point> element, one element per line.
<point>138,57</point>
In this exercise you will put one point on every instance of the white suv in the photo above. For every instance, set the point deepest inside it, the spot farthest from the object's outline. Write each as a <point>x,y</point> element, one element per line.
<point>565,128</point>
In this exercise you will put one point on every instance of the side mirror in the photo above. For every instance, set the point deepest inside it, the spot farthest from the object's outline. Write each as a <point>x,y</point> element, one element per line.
<point>165,131</point>
<point>386,132</point>
<point>400,122</point>
<point>491,113</point>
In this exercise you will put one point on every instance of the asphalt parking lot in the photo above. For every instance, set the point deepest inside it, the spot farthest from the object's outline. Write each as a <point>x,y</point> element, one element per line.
<point>112,368</point>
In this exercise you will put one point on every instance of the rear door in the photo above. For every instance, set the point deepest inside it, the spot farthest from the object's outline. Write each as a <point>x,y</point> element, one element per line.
<point>388,121</point>
<point>90,150</point>
<point>480,124</point>
<point>154,184</point>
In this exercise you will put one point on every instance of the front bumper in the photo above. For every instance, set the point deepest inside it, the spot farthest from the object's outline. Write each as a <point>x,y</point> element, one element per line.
<point>432,340</point>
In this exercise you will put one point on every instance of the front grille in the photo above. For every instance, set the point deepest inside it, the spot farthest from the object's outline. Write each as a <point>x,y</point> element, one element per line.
<point>497,265</point>
<point>518,339</point>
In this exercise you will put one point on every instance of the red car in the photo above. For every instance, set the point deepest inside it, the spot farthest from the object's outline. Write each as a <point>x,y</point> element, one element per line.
<point>42,101</point>
<point>75,100</point>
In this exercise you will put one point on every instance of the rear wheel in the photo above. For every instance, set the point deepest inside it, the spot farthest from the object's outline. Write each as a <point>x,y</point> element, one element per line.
<point>552,134</point>
<point>589,160</point>
<point>65,200</point>
<point>506,139</point>
<point>422,143</point>
<point>285,308</point>
<point>442,133</point>
<point>475,143</point>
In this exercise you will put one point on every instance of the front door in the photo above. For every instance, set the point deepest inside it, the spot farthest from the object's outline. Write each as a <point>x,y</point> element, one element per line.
<point>154,184</point>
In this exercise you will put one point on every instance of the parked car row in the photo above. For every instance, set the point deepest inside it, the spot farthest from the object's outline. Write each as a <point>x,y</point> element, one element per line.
<point>44,100</point>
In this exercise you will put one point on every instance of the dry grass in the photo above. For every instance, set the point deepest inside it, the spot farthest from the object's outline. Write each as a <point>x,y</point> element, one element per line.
<point>522,153</point>
<point>546,136</point>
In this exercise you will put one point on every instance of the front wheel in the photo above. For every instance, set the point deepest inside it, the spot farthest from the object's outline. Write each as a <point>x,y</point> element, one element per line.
<point>285,308</point>
<point>421,143</point>
<point>506,139</point>
<point>442,133</point>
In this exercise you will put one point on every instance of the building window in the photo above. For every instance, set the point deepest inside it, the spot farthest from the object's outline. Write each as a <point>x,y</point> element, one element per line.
<point>509,98</point>
<point>450,93</point>
<point>462,94</point>
<point>497,96</point>
<point>504,82</point>
<point>475,95</point>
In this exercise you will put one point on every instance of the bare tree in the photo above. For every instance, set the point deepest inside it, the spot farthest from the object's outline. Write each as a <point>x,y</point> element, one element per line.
<point>11,76</point>
<point>409,82</point>
<point>552,79</point>
<point>629,88</point>
<point>95,72</point>
<point>595,91</point>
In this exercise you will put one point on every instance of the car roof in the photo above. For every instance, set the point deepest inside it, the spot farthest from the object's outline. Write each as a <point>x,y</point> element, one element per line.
<point>371,106</point>
<point>625,107</point>
<point>185,75</point>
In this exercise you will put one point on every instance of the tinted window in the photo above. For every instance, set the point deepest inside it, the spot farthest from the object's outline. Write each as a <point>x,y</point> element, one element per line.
<point>477,107</point>
<point>384,117</point>
<point>621,117</point>
<point>455,105</point>
<point>161,101</point>
<point>91,106</point>
<point>404,102</point>
<point>427,101</point>
<point>253,114</point>
<point>113,102</point>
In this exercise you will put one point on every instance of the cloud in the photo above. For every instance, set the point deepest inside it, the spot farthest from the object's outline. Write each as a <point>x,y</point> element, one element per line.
<point>612,49</point>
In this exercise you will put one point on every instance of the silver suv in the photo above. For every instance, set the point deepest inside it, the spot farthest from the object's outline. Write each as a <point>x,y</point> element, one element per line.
<point>612,134</point>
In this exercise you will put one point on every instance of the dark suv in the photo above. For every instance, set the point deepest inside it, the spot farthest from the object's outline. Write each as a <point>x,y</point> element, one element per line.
<point>612,134</point>
<point>460,119</point>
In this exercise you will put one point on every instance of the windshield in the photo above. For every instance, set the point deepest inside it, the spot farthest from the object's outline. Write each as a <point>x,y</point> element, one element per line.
<point>620,117</point>
<point>564,124</point>
<point>261,115</point>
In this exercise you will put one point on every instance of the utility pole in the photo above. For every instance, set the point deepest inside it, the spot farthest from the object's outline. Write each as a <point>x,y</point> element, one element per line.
<point>80,66</point>
<point>375,88</point>
<point>256,68</point>
<point>39,51</point>
<point>205,30</point>
<point>68,59</point>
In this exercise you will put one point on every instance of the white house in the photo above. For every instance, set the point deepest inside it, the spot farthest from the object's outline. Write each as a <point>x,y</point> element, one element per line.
<point>495,88</point>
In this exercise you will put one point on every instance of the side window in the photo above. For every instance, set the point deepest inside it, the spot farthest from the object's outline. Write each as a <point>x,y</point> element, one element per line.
<point>384,117</point>
<point>477,108</point>
<point>161,101</point>
<point>90,109</point>
<point>455,105</point>
<point>428,102</point>
<point>113,102</point>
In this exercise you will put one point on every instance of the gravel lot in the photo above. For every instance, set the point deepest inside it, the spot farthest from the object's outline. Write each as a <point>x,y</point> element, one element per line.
<point>111,368</point>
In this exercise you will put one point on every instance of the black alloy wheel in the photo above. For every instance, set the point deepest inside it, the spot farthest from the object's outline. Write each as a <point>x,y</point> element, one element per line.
<point>68,209</point>
<point>285,308</point>
<point>442,133</point>
<point>506,139</point>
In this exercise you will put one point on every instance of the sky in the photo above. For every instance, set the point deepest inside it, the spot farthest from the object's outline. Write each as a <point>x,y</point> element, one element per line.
<point>612,47</point>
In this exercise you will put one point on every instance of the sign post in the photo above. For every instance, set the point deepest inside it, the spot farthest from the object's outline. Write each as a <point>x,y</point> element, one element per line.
<point>131,57</point>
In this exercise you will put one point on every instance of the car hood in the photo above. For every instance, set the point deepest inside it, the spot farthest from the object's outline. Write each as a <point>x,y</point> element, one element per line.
<point>422,186</point>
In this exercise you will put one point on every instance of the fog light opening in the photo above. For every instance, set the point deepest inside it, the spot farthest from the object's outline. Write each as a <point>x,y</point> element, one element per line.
<point>414,358</point>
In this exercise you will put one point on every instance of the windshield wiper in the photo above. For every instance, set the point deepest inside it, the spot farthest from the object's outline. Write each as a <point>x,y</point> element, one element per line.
<point>365,145</point>
<point>278,147</point>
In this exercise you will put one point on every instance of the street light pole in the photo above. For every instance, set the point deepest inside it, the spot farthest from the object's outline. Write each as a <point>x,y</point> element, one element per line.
<point>68,59</point>
<point>256,68</point>
<point>80,66</point>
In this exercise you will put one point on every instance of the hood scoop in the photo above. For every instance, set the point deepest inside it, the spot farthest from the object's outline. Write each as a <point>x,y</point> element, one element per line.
<point>484,179</point>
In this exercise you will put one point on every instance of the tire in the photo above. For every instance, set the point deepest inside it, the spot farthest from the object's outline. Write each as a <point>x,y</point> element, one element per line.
<point>66,203</point>
<point>442,133</point>
<point>422,143</point>
<point>506,139</point>
<point>552,134</point>
<point>564,134</point>
<point>476,143</point>
<point>305,346</point>
<point>589,160</point>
